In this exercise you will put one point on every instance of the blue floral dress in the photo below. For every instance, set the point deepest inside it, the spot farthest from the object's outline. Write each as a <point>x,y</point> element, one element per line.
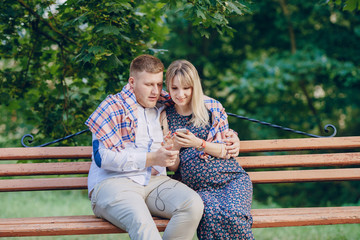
<point>223,185</point>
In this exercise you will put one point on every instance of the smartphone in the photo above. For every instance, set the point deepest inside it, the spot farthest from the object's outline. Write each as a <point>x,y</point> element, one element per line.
<point>182,130</point>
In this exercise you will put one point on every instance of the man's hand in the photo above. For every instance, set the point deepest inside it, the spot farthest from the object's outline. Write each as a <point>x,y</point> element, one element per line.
<point>163,157</point>
<point>232,144</point>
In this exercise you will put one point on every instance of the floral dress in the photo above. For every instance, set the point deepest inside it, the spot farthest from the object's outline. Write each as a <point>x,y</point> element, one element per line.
<point>223,185</point>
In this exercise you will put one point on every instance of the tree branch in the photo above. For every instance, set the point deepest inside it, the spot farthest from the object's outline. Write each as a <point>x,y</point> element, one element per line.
<point>310,104</point>
<point>47,23</point>
<point>48,37</point>
<point>290,26</point>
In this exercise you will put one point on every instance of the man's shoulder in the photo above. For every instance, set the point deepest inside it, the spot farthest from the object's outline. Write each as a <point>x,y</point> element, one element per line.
<point>113,100</point>
<point>212,103</point>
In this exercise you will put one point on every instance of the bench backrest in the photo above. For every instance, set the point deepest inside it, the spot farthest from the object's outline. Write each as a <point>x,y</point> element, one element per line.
<point>259,157</point>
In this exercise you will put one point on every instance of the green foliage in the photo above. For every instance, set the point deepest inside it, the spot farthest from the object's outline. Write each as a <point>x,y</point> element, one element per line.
<point>60,59</point>
<point>259,74</point>
<point>307,81</point>
<point>349,5</point>
<point>207,15</point>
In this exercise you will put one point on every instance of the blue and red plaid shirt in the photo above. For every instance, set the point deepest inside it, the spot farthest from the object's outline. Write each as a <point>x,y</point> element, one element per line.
<point>115,120</point>
<point>220,124</point>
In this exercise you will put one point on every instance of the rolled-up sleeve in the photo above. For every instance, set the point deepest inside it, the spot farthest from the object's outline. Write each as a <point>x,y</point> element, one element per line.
<point>123,161</point>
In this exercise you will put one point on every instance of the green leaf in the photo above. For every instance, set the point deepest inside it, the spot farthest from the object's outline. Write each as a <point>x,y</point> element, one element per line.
<point>233,7</point>
<point>200,13</point>
<point>107,29</point>
<point>352,5</point>
<point>96,49</point>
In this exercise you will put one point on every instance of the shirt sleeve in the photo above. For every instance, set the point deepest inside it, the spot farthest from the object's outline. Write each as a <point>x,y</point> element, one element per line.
<point>126,160</point>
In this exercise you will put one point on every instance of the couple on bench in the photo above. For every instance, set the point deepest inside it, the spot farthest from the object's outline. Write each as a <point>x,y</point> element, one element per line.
<point>141,132</point>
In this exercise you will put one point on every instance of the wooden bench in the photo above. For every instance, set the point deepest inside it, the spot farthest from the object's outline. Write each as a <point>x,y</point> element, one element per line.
<point>300,153</point>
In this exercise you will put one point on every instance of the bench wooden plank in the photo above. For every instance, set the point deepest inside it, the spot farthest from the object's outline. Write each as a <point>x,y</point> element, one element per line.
<point>53,229</point>
<point>318,175</point>
<point>64,225</point>
<point>286,217</point>
<point>45,153</point>
<point>88,224</point>
<point>58,219</point>
<point>304,160</point>
<point>246,147</point>
<point>299,144</point>
<point>289,176</point>
<point>59,168</point>
<point>305,210</point>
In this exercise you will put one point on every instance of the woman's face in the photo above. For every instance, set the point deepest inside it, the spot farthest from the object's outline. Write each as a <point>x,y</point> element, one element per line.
<point>180,94</point>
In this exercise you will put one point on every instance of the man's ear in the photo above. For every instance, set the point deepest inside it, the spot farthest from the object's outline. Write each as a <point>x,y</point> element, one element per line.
<point>131,81</point>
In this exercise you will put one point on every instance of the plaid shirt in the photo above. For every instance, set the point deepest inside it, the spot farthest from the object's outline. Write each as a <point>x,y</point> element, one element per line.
<point>220,124</point>
<point>115,120</point>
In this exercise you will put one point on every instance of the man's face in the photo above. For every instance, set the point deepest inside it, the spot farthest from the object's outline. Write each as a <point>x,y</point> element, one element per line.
<point>147,88</point>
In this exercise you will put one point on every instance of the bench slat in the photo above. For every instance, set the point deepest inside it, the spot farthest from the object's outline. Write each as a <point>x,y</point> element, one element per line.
<point>299,144</point>
<point>246,146</point>
<point>304,160</point>
<point>58,219</point>
<point>88,224</point>
<point>67,225</point>
<point>58,168</point>
<point>305,210</point>
<point>287,217</point>
<point>290,176</point>
<point>347,174</point>
<point>45,153</point>
<point>54,229</point>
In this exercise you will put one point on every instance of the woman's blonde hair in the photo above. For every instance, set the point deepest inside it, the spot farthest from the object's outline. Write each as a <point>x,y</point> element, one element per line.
<point>188,76</point>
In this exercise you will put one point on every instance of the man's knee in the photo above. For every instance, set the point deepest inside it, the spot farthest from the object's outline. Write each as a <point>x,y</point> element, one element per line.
<point>195,208</point>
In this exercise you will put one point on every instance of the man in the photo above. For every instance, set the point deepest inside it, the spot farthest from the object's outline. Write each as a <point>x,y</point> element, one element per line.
<point>127,180</point>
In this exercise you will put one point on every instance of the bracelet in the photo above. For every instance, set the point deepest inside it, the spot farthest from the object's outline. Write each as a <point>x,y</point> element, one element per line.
<point>202,146</point>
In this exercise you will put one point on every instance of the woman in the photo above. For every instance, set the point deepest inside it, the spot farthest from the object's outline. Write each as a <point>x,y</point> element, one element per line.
<point>203,162</point>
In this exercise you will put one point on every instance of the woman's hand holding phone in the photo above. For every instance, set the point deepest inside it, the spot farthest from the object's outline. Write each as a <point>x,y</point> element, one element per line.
<point>185,138</point>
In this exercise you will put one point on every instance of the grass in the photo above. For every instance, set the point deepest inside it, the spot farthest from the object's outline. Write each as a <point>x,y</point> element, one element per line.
<point>64,203</point>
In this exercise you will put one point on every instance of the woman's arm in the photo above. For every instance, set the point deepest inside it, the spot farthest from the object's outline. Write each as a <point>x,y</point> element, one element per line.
<point>190,140</point>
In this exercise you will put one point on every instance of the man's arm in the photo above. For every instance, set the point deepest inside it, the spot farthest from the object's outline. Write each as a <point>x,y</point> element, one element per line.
<point>232,143</point>
<point>122,161</point>
<point>129,159</point>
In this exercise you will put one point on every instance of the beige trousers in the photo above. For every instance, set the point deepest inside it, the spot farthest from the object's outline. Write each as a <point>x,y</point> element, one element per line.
<point>129,206</point>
